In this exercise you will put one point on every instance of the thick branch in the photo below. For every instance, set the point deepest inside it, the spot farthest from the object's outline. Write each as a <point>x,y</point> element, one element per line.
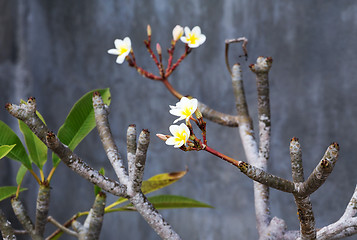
<point>94,220</point>
<point>42,207</point>
<point>7,232</point>
<point>296,161</point>
<point>266,179</point>
<point>131,145</point>
<point>218,117</point>
<point>101,117</point>
<point>153,217</point>
<point>345,226</point>
<point>261,192</point>
<point>137,166</point>
<point>27,113</point>
<point>23,218</point>
<point>321,172</point>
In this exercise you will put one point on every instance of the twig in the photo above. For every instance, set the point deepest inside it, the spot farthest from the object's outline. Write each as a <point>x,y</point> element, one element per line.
<point>62,227</point>
<point>244,47</point>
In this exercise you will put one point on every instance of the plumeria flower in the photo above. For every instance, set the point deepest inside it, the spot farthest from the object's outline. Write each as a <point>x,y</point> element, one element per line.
<point>184,108</point>
<point>122,49</point>
<point>193,38</point>
<point>177,32</point>
<point>180,133</point>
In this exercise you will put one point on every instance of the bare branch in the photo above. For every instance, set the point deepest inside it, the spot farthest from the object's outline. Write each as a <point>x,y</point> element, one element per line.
<point>94,220</point>
<point>267,179</point>
<point>42,207</point>
<point>261,192</point>
<point>218,117</point>
<point>244,47</point>
<point>101,117</point>
<point>153,217</point>
<point>345,226</point>
<point>60,226</point>
<point>296,160</point>
<point>23,218</point>
<point>7,232</point>
<point>131,145</point>
<point>306,217</point>
<point>137,166</point>
<point>321,172</point>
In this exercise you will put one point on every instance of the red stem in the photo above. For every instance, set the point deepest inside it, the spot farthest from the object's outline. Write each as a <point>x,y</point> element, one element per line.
<point>222,156</point>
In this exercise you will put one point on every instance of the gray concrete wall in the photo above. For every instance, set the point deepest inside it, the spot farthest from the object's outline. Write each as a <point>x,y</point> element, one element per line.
<point>57,51</point>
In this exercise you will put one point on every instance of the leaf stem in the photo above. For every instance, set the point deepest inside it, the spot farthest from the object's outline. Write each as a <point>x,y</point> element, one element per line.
<point>35,176</point>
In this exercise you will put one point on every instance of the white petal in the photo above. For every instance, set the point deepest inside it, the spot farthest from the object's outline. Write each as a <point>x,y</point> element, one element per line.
<point>170,141</point>
<point>184,39</point>
<point>194,103</point>
<point>174,129</point>
<point>179,144</point>
<point>121,58</point>
<point>127,42</point>
<point>113,51</point>
<point>196,30</point>
<point>118,43</point>
<point>202,39</point>
<point>187,31</point>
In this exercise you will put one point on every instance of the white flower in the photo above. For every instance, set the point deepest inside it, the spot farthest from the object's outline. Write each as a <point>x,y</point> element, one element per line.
<point>122,49</point>
<point>193,38</point>
<point>184,108</point>
<point>180,136</point>
<point>177,32</point>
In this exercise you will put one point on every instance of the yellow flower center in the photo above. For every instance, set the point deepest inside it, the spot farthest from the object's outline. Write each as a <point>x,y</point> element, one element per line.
<point>187,112</point>
<point>192,38</point>
<point>122,49</point>
<point>181,136</point>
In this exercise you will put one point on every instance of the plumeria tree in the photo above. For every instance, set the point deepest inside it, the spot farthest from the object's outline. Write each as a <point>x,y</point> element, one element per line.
<point>92,111</point>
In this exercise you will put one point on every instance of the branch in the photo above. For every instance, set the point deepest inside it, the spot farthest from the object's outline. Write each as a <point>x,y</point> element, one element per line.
<point>153,217</point>
<point>321,172</point>
<point>345,226</point>
<point>23,218</point>
<point>94,220</point>
<point>244,47</point>
<point>27,113</point>
<point>42,207</point>
<point>101,118</point>
<point>303,203</point>
<point>296,160</point>
<point>7,232</point>
<point>261,192</point>
<point>218,117</point>
<point>60,226</point>
<point>137,165</point>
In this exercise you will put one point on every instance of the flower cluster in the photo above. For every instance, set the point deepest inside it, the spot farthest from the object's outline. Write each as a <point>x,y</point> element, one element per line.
<point>193,39</point>
<point>182,134</point>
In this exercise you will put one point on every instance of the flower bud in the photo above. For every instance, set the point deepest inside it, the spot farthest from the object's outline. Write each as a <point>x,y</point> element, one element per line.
<point>158,49</point>
<point>162,136</point>
<point>148,30</point>
<point>177,32</point>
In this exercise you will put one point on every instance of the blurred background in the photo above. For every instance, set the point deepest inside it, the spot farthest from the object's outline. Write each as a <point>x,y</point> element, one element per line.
<point>56,51</point>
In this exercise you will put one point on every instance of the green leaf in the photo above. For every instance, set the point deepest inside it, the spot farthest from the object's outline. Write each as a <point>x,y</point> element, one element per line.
<point>154,183</point>
<point>168,202</point>
<point>80,121</point>
<point>8,191</point>
<point>36,148</point>
<point>5,149</point>
<point>160,181</point>
<point>18,153</point>
<point>96,188</point>
<point>21,174</point>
